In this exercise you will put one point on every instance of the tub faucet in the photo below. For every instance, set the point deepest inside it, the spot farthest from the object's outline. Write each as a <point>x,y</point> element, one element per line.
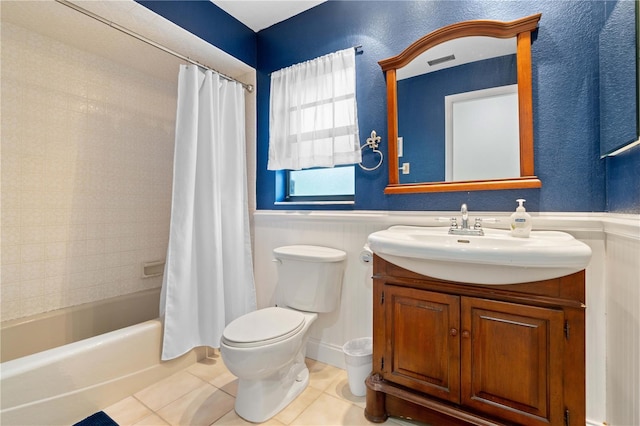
<point>464,229</point>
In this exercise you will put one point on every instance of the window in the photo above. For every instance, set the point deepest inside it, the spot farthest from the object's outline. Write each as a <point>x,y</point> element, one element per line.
<point>313,128</point>
<point>322,184</point>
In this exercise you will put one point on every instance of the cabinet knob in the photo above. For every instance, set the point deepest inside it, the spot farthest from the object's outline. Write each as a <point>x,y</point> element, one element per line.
<point>466,334</point>
<point>453,332</point>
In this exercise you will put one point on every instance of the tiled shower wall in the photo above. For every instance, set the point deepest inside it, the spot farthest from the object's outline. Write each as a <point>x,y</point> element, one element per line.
<point>87,158</point>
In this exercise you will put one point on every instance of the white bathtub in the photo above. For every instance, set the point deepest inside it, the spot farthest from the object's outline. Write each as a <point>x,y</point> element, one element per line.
<point>61,386</point>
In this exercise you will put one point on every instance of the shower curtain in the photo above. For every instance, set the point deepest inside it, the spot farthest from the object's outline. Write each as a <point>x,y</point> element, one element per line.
<point>208,278</point>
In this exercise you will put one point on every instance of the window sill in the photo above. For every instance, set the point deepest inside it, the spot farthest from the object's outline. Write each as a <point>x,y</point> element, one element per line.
<point>313,203</point>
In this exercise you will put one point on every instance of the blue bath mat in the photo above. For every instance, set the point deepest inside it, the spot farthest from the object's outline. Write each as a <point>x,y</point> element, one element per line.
<point>98,419</point>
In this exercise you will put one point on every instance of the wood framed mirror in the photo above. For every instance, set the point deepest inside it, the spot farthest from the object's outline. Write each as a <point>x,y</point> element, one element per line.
<point>424,50</point>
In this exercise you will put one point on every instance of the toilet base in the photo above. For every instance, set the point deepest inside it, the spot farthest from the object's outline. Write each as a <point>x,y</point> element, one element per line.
<point>259,400</point>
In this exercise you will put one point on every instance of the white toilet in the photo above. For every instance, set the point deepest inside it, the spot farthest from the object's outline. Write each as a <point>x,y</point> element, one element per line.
<point>266,348</point>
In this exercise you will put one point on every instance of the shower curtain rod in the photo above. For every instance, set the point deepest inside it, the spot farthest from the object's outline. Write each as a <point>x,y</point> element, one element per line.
<point>247,87</point>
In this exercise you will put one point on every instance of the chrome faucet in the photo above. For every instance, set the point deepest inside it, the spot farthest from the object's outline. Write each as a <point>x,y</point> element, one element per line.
<point>464,229</point>
<point>465,216</point>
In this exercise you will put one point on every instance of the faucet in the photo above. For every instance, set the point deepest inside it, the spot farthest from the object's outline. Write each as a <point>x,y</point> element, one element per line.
<point>465,216</point>
<point>464,228</point>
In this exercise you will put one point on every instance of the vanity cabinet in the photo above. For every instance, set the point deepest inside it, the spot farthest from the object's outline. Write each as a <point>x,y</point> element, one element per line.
<point>452,353</point>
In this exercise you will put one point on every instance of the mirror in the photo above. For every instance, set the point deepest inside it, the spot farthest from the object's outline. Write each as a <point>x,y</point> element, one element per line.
<point>619,107</point>
<point>436,119</point>
<point>457,102</point>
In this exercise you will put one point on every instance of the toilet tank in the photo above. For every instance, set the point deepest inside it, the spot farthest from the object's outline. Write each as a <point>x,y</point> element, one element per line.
<point>310,277</point>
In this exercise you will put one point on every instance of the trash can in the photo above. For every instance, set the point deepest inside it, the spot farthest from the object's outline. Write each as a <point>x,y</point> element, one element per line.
<point>358,354</point>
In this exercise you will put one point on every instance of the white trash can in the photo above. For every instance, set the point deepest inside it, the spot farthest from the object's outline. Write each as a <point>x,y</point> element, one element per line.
<point>358,354</point>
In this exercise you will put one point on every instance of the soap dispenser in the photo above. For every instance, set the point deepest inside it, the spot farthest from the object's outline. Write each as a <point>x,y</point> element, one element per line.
<point>520,221</point>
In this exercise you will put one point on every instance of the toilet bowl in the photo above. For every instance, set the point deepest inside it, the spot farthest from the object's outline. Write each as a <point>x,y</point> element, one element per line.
<point>271,372</point>
<point>266,348</point>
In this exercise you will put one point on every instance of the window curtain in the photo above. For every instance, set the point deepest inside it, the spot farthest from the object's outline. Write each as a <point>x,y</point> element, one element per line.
<point>313,120</point>
<point>208,278</point>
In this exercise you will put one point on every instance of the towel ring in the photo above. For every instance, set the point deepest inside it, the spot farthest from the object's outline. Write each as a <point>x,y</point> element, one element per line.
<point>372,142</point>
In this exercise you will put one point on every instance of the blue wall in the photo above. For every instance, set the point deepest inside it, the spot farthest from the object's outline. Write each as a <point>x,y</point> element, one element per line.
<point>565,92</point>
<point>210,23</point>
<point>623,182</point>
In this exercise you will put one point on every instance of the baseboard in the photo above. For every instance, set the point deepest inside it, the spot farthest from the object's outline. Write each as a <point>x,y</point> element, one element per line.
<point>327,353</point>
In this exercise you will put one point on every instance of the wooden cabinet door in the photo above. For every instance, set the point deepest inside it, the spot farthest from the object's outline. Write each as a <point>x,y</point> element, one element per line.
<point>422,341</point>
<point>512,361</point>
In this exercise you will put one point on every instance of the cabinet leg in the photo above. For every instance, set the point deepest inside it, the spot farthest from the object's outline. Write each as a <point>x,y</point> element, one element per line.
<point>375,410</point>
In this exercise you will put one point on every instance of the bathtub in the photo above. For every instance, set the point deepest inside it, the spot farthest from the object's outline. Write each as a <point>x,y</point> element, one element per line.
<point>65,384</point>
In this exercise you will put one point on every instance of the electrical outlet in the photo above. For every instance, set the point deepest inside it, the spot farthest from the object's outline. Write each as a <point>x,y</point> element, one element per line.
<point>405,168</point>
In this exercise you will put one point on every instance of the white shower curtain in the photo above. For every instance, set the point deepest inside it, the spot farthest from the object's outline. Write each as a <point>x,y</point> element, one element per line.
<point>208,278</point>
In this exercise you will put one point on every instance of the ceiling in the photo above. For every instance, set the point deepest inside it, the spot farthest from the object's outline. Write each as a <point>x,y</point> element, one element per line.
<point>73,28</point>
<point>261,14</point>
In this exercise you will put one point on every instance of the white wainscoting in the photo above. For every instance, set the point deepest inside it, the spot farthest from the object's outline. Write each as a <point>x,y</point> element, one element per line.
<point>613,303</point>
<point>623,326</point>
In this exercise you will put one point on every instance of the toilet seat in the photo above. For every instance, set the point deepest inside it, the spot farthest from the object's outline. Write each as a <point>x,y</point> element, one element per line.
<point>263,327</point>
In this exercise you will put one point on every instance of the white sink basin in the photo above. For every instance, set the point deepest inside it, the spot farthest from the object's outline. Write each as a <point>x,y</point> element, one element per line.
<point>495,258</point>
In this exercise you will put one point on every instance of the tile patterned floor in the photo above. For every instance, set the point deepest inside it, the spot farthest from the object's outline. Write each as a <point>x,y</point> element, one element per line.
<point>204,394</point>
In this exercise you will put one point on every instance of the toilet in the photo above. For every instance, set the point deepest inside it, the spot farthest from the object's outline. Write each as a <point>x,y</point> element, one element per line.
<point>266,348</point>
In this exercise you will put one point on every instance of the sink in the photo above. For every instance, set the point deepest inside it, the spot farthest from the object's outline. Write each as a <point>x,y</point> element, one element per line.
<point>496,258</point>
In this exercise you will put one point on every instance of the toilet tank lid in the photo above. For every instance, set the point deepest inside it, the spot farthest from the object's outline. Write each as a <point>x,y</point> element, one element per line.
<point>310,253</point>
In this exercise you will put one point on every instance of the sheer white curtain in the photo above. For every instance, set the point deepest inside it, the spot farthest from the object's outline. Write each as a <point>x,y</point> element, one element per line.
<point>313,120</point>
<point>208,278</point>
